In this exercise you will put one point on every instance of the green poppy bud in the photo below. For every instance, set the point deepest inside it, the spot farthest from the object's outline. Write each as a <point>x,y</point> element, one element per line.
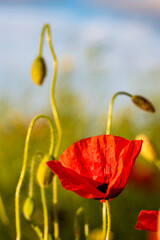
<point>143,103</point>
<point>148,150</point>
<point>44,174</point>
<point>38,71</point>
<point>28,208</point>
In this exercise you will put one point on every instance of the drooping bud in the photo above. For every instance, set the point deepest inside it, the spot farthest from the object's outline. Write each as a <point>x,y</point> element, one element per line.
<point>44,174</point>
<point>38,71</point>
<point>143,103</point>
<point>28,208</point>
<point>148,150</point>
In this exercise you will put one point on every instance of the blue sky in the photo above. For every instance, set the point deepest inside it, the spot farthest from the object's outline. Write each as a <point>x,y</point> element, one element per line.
<point>109,48</point>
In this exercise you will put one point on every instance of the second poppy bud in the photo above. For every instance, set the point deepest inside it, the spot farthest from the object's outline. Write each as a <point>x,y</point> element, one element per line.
<point>44,174</point>
<point>38,71</point>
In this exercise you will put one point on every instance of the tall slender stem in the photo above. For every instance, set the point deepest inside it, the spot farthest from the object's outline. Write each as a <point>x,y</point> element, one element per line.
<point>19,185</point>
<point>31,176</point>
<point>109,119</point>
<point>106,207</point>
<point>45,213</point>
<point>108,221</point>
<point>104,221</point>
<point>52,93</point>
<point>56,118</point>
<point>55,202</point>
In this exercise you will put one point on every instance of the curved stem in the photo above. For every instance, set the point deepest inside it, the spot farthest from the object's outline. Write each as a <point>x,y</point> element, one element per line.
<point>45,212</point>
<point>56,117</point>
<point>18,188</point>
<point>108,221</point>
<point>106,204</point>
<point>109,119</point>
<point>30,192</point>
<point>55,65</point>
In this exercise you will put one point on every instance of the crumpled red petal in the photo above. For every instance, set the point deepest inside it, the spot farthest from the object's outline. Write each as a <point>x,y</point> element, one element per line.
<point>102,161</point>
<point>147,221</point>
<point>72,181</point>
<point>94,157</point>
<point>123,168</point>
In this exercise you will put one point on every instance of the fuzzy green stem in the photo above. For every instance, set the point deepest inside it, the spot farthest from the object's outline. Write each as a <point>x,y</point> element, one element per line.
<point>55,65</point>
<point>55,115</point>
<point>104,221</point>
<point>55,204</point>
<point>30,192</point>
<point>108,221</point>
<point>45,213</point>
<point>37,231</point>
<point>106,204</point>
<point>109,119</point>
<point>18,188</point>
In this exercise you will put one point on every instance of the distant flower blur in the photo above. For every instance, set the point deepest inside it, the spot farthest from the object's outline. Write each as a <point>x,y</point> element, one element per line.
<point>147,221</point>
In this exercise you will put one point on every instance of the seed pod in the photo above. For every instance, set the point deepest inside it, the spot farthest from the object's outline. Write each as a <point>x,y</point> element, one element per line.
<point>28,208</point>
<point>148,150</point>
<point>44,174</point>
<point>38,71</point>
<point>143,103</point>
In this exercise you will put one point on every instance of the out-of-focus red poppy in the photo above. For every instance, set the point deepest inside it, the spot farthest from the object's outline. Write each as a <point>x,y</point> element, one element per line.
<point>147,221</point>
<point>152,236</point>
<point>144,177</point>
<point>97,167</point>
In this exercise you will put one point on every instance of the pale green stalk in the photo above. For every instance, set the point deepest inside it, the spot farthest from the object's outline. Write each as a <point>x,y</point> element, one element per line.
<point>106,209</point>
<point>19,185</point>
<point>45,213</point>
<point>56,119</point>
<point>109,119</point>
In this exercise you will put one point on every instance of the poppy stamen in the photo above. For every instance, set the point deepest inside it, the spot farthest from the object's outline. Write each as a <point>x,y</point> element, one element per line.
<point>103,187</point>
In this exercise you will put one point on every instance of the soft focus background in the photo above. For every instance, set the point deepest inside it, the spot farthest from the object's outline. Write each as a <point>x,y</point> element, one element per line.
<point>102,47</point>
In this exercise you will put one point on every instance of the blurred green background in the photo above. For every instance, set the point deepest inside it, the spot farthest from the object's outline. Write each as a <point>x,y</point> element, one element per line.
<point>101,48</point>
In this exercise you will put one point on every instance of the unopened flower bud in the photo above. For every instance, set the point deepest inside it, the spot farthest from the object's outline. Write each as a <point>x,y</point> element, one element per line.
<point>28,208</point>
<point>143,103</point>
<point>38,71</point>
<point>44,174</point>
<point>148,150</point>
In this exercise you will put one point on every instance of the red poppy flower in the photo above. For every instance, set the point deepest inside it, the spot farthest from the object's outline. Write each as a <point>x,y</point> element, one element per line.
<point>97,167</point>
<point>147,221</point>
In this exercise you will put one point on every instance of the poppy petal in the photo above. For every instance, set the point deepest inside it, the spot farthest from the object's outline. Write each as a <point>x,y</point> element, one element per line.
<point>124,164</point>
<point>147,221</point>
<point>94,157</point>
<point>72,181</point>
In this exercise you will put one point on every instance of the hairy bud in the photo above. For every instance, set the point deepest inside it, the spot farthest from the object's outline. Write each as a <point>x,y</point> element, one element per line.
<point>143,103</point>
<point>28,208</point>
<point>44,174</point>
<point>38,71</point>
<point>148,150</point>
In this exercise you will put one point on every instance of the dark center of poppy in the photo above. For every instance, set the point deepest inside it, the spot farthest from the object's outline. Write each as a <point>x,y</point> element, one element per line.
<point>102,188</point>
